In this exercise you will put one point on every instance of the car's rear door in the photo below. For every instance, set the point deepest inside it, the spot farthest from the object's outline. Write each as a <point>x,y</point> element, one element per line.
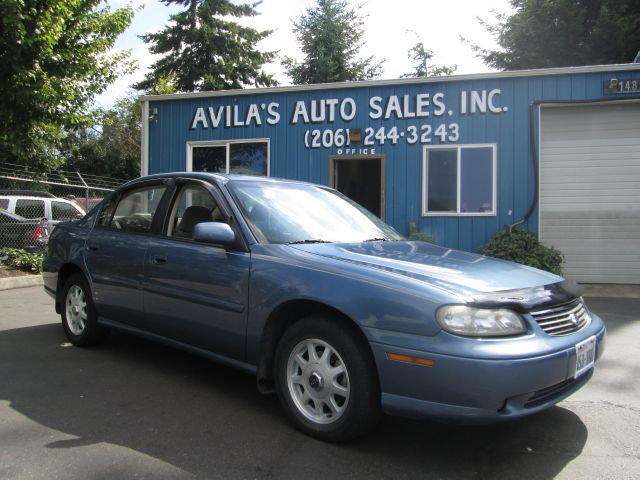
<point>197,293</point>
<point>12,231</point>
<point>116,250</point>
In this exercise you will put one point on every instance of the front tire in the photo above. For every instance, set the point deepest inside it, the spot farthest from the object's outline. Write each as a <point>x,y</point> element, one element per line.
<point>326,379</point>
<point>79,318</point>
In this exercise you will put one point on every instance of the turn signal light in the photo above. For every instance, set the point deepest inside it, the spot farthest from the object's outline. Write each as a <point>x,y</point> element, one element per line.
<point>408,359</point>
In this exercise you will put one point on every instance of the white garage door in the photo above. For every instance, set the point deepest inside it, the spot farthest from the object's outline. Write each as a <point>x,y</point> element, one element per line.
<point>590,190</point>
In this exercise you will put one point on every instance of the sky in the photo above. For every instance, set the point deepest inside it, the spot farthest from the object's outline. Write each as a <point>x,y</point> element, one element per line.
<point>392,27</point>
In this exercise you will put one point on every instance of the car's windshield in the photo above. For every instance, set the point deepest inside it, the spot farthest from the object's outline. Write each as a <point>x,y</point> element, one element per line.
<point>299,213</point>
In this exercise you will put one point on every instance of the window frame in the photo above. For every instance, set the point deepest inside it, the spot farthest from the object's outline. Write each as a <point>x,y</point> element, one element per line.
<point>181,187</point>
<point>182,183</point>
<point>157,221</point>
<point>227,144</point>
<point>458,148</point>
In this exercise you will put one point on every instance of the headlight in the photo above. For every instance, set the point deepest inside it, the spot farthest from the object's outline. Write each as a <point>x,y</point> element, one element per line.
<point>480,322</point>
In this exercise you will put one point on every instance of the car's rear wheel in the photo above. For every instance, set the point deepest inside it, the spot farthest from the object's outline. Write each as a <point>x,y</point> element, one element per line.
<point>79,318</point>
<point>326,379</point>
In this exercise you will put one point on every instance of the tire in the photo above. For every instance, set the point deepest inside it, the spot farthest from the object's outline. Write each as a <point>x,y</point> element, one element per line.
<point>79,318</point>
<point>326,379</point>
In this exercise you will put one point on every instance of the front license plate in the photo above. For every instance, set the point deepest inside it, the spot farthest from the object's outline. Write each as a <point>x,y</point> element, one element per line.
<point>585,356</point>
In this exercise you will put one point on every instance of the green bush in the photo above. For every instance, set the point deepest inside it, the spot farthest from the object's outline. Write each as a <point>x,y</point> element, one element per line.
<point>524,247</point>
<point>21,260</point>
<point>421,237</point>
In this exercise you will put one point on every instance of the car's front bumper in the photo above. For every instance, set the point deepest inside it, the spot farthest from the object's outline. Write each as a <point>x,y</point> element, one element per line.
<point>50,280</point>
<point>477,390</point>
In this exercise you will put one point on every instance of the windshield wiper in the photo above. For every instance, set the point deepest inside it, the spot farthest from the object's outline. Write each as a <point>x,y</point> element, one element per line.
<point>381,239</point>
<point>314,240</point>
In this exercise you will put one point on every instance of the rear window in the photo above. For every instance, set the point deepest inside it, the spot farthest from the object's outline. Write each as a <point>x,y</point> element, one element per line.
<point>30,208</point>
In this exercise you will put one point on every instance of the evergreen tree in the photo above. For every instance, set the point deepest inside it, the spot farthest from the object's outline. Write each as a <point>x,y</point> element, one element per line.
<point>562,33</point>
<point>204,50</point>
<point>330,36</point>
<point>421,57</point>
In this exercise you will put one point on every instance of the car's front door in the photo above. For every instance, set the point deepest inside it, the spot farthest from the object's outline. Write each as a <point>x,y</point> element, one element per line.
<point>196,293</point>
<point>116,250</point>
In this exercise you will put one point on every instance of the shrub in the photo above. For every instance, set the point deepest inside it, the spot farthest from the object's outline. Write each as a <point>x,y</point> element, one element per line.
<point>421,237</point>
<point>523,247</point>
<point>21,260</point>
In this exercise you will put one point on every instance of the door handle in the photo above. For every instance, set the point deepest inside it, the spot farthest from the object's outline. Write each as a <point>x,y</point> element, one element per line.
<point>92,247</point>
<point>159,259</point>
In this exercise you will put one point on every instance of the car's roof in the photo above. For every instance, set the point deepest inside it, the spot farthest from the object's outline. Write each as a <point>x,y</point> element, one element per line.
<point>28,197</point>
<point>26,193</point>
<point>219,178</point>
<point>41,198</point>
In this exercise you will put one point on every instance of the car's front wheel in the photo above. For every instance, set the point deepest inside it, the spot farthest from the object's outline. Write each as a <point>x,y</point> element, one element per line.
<point>326,379</point>
<point>79,318</point>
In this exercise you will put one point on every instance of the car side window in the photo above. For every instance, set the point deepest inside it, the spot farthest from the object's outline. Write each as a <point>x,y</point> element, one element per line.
<point>136,209</point>
<point>28,208</point>
<point>4,203</point>
<point>64,211</point>
<point>194,205</point>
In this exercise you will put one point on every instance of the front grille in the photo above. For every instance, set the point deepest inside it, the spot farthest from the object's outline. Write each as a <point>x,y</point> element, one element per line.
<point>564,319</point>
<point>556,392</point>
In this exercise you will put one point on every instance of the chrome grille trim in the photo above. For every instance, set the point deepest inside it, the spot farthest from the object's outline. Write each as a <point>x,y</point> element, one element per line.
<point>564,319</point>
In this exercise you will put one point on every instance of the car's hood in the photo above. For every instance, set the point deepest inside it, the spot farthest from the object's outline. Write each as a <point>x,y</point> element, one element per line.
<point>462,273</point>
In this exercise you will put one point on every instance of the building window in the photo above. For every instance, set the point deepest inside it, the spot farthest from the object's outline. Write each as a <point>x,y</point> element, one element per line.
<point>209,159</point>
<point>250,157</point>
<point>459,180</point>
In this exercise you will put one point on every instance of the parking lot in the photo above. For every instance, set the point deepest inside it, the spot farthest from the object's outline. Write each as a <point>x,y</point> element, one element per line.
<point>134,409</point>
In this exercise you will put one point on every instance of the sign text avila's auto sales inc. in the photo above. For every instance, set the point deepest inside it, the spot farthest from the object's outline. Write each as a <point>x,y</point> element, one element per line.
<point>427,110</point>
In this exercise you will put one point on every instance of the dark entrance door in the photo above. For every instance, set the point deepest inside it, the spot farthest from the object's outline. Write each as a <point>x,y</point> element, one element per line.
<point>360,179</point>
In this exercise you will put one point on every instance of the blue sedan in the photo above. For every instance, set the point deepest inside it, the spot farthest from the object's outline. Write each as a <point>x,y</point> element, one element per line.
<point>328,306</point>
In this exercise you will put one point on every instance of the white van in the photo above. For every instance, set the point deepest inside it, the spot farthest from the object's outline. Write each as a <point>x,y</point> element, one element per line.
<point>37,205</point>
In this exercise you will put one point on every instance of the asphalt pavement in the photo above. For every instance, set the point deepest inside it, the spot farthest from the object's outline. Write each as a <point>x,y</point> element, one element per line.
<point>133,409</point>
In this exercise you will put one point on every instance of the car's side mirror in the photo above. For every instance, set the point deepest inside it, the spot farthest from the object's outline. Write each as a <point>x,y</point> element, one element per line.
<point>214,232</point>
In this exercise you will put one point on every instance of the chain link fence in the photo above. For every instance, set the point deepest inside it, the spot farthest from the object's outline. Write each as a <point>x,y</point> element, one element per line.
<point>30,208</point>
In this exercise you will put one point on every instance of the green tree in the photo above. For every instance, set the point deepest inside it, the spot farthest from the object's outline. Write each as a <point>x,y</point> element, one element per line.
<point>163,86</point>
<point>203,50</point>
<point>421,57</point>
<point>54,58</point>
<point>561,33</point>
<point>111,148</point>
<point>330,35</point>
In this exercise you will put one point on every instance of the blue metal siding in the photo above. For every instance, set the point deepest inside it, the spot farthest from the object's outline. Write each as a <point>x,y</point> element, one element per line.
<point>289,158</point>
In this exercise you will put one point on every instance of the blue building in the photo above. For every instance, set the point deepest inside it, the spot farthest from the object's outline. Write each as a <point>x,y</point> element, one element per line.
<point>556,151</point>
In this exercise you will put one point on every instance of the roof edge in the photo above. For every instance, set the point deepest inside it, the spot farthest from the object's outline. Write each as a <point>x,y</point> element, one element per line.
<point>397,82</point>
